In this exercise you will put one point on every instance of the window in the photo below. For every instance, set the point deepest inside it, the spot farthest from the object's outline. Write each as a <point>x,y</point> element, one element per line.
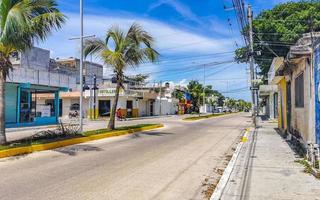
<point>75,106</point>
<point>299,91</point>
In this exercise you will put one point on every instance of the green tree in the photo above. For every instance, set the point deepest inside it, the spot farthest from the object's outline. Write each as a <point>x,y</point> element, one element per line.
<point>220,97</point>
<point>178,94</point>
<point>139,79</point>
<point>22,23</point>
<point>121,50</point>
<point>196,92</point>
<point>277,29</point>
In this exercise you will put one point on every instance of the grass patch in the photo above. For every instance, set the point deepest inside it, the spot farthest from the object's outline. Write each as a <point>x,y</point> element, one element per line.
<point>205,116</point>
<point>123,128</point>
<point>29,142</point>
<point>307,166</point>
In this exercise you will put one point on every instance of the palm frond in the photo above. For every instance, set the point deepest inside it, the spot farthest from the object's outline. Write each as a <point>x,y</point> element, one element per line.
<point>94,47</point>
<point>24,21</point>
<point>117,36</point>
<point>138,35</point>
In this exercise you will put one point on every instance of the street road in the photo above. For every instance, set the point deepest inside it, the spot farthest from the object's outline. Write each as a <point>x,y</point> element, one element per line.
<point>169,163</point>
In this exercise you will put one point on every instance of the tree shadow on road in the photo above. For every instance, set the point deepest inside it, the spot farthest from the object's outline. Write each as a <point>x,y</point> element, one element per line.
<point>74,150</point>
<point>153,133</point>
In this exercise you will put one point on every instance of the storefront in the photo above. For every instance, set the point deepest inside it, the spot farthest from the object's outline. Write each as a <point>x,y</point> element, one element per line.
<point>132,103</point>
<point>24,108</point>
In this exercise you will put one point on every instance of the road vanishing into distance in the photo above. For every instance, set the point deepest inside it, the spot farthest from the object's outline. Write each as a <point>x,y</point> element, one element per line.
<point>173,162</point>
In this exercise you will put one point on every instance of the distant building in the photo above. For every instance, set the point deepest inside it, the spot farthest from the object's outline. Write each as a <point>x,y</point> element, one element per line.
<point>34,74</point>
<point>89,69</point>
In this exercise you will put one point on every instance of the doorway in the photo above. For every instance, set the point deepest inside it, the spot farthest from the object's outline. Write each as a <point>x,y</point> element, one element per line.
<point>129,108</point>
<point>289,106</point>
<point>151,108</point>
<point>104,108</point>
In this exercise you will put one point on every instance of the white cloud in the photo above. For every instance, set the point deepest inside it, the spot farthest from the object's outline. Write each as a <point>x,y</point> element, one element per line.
<point>169,40</point>
<point>182,9</point>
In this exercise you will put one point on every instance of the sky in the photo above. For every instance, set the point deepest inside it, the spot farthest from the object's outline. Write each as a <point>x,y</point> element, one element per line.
<point>195,39</point>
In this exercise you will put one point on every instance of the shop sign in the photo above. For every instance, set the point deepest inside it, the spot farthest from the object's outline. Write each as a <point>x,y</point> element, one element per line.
<point>109,92</point>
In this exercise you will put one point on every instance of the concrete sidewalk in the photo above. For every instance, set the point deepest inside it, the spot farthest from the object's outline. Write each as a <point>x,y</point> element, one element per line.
<point>266,169</point>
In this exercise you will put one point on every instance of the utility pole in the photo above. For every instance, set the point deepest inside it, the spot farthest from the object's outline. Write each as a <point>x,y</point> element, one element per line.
<point>160,111</point>
<point>94,95</point>
<point>204,89</point>
<point>81,67</point>
<point>81,38</point>
<point>252,70</point>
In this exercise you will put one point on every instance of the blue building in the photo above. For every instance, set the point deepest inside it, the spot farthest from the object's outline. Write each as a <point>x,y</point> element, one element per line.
<point>34,75</point>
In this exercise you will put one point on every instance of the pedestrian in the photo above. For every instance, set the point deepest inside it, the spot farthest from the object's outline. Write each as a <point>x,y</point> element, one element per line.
<point>119,114</point>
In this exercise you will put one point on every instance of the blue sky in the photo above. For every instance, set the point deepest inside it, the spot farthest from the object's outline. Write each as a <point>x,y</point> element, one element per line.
<point>188,33</point>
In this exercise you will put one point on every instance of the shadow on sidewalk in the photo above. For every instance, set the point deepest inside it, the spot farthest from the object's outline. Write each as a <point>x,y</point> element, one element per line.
<point>293,143</point>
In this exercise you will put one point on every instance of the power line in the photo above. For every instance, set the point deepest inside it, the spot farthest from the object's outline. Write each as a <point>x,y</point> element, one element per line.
<point>192,67</point>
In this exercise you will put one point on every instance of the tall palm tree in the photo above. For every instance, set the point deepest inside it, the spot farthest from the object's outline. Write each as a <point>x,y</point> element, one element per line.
<point>21,23</point>
<point>196,91</point>
<point>121,50</point>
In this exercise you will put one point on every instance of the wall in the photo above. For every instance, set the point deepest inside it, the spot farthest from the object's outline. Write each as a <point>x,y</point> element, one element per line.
<point>143,108</point>
<point>300,115</point>
<point>168,106</point>
<point>36,58</point>
<point>11,103</point>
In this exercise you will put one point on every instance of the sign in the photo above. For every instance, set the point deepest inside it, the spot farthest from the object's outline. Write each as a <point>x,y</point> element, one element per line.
<point>111,92</point>
<point>317,91</point>
<point>45,110</point>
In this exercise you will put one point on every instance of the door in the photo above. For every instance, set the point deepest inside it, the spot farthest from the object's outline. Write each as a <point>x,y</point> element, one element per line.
<point>289,103</point>
<point>151,108</point>
<point>104,108</point>
<point>275,104</point>
<point>25,106</point>
<point>129,108</point>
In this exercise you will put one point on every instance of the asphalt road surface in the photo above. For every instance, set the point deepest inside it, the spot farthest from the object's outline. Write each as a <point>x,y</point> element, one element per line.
<point>167,163</point>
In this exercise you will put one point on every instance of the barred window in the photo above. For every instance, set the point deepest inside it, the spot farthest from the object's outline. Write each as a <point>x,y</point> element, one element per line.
<point>299,91</point>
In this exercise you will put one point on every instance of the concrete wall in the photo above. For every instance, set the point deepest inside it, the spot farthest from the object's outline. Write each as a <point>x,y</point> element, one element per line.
<point>301,116</point>
<point>168,106</point>
<point>35,58</point>
<point>143,110</point>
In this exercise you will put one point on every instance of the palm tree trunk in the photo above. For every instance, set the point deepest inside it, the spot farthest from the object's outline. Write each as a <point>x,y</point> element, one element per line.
<point>111,124</point>
<point>3,138</point>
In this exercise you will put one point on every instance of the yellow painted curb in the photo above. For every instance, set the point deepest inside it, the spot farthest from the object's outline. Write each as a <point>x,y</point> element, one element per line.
<point>244,139</point>
<point>68,142</point>
<point>192,120</point>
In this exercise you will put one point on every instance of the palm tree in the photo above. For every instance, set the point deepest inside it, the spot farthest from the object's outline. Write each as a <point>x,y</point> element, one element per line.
<point>22,22</point>
<point>121,50</point>
<point>196,91</point>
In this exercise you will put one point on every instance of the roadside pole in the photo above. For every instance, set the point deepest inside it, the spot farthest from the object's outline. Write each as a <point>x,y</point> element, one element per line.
<point>81,67</point>
<point>160,98</point>
<point>252,70</point>
<point>94,95</point>
<point>204,89</point>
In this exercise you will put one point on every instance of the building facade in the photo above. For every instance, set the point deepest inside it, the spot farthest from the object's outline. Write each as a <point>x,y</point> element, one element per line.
<point>34,75</point>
